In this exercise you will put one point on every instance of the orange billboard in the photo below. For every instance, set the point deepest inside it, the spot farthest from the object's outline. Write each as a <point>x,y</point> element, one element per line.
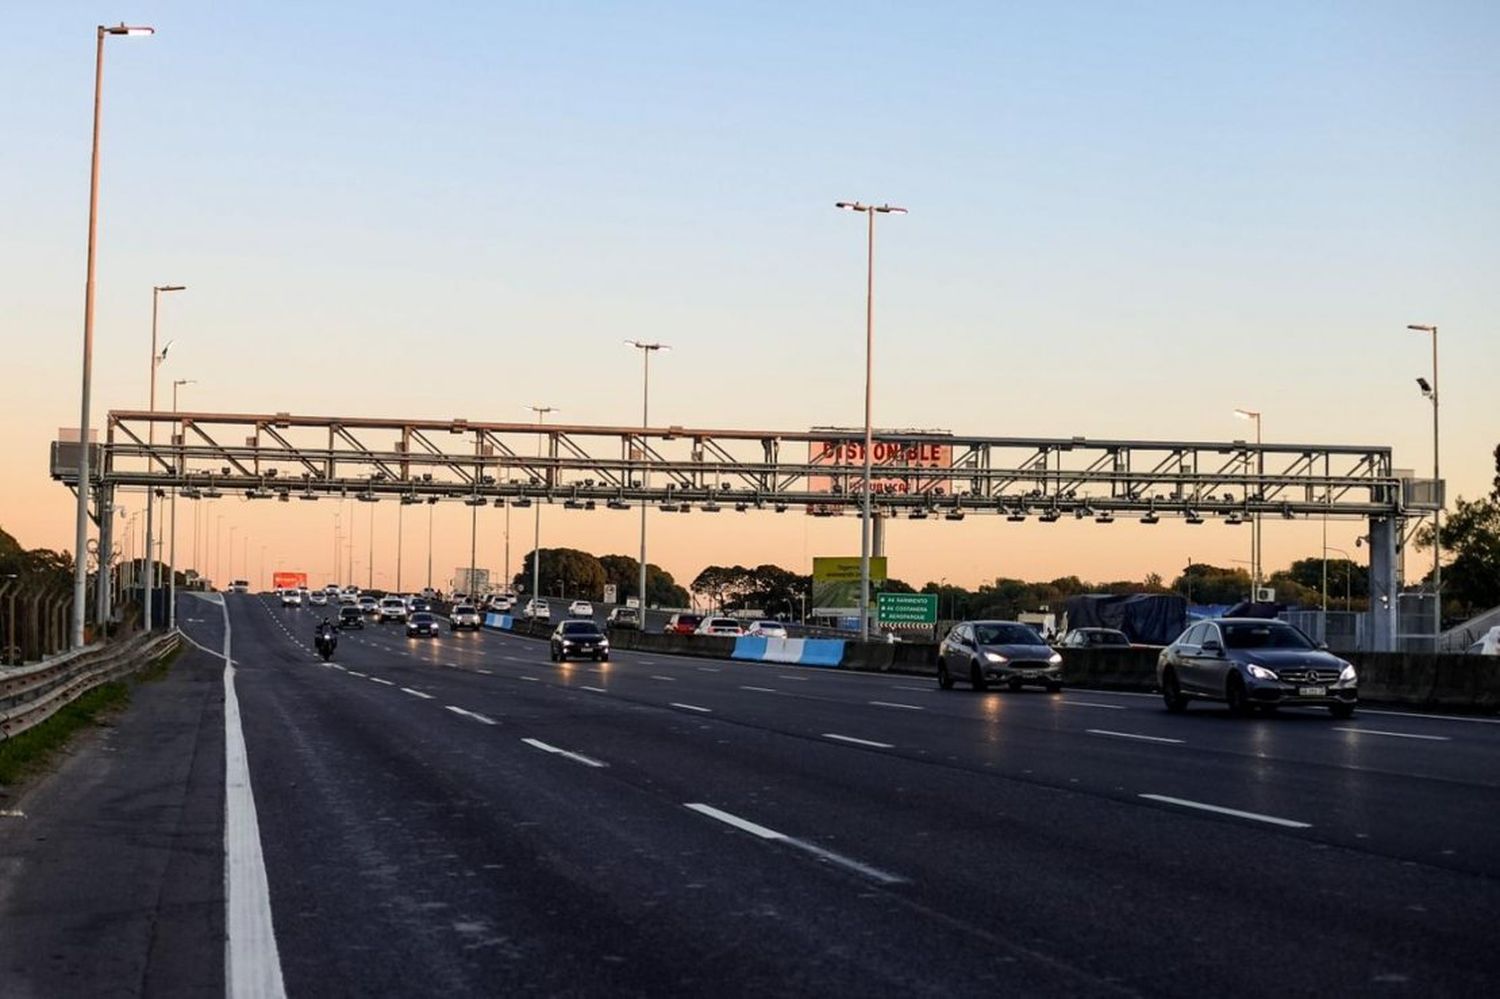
<point>893,464</point>
<point>289,580</point>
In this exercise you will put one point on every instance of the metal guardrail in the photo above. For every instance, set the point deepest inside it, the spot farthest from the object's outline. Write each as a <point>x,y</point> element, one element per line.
<point>29,695</point>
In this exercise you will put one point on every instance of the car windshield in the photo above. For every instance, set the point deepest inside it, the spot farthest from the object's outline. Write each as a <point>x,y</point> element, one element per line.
<point>348,612</point>
<point>1006,634</point>
<point>768,625</point>
<point>724,622</point>
<point>1263,635</point>
<point>692,620</point>
<point>577,628</point>
<point>464,609</point>
<point>421,618</point>
<point>1106,638</point>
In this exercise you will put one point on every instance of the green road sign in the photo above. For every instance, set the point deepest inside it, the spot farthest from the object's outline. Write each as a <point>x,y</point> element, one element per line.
<point>906,608</point>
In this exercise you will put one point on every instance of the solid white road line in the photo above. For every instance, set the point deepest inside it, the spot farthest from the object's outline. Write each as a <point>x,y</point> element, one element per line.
<point>1131,735</point>
<point>416,693</point>
<point>470,714</point>
<point>1393,735</point>
<point>1429,717</point>
<point>755,829</point>
<point>597,690</point>
<point>1093,704</point>
<point>857,742</point>
<point>252,964</point>
<point>575,757</point>
<point>897,704</point>
<point>762,690</point>
<point>692,707</point>
<point>1220,810</point>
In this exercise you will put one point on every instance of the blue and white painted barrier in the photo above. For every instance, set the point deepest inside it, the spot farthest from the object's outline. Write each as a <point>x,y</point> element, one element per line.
<point>797,651</point>
<point>499,622</point>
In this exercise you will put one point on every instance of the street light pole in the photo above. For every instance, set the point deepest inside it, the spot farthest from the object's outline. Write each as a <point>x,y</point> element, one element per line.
<point>1255,564</point>
<point>646,349</point>
<point>81,525</point>
<point>430,505</point>
<point>864,521</point>
<point>536,544</point>
<point>1437,477</point>
<point>156,359</point>
<point>1348,572</point>
<point>177,383</point>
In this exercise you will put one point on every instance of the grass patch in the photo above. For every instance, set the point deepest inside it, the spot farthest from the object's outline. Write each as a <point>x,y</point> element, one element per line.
<point>158,669</point>
<point>27,752</point>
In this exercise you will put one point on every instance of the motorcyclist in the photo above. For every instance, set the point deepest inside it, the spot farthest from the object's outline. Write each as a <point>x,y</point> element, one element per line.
<point>326,635</point>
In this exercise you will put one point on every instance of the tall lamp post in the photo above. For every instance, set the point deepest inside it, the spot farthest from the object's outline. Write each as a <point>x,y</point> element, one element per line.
<point>1431,392</point>
<point>1348,573</point>
<point>177,383</point>
<point>1250,414</point>
<point>157,356</point>
<point>81,532</point>
<point>870,212</point>
<point>646,349</point>
<point>536,543</point>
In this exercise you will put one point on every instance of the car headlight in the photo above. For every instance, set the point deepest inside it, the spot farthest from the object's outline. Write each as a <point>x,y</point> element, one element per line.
<point>603,643</point>
<point>994,657</point>
<point>1055,658</point>
<point>1261,673</point>
<point>1348,675</point>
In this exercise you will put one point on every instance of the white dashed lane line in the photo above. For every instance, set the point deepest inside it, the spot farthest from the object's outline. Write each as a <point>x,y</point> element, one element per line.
<point>1393,735</point>
<point>760,831</point>
<point>471,714</point>
<point>416,693</point>
<point>857,742</point>
<point>692,707</point>
<point>1235,812</point>
<point>1133,735</point>
<point>897,704</point>
<point>587,761</point>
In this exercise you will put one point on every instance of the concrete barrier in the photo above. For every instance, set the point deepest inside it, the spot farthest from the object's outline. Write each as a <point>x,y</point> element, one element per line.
<point>794,651</point>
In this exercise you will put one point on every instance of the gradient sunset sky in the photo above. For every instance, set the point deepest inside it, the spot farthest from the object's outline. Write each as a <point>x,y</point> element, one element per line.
<point>1126,221</point>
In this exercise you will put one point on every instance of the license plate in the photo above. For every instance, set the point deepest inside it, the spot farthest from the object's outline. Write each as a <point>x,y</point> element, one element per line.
<point>1312,691</point>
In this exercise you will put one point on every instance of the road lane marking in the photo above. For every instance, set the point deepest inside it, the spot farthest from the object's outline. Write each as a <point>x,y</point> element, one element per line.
<point>1132,735</point>
<point>898,704</point>
<point>470,714</point>
<point>1093,704</point>
<point>1393,735</point>
<point>771,835</point>
<point>376,679</point>
<point>530,679</point>
<point>1430,717</point>
<point>575,757</point>
<point>762,690</point>
<point>669,679</point>
<point>357,673</point>
<point>692,707</point>
<point>1221,810</point>
<point>597,690</point>
<point>857,742</point>
<point>252,964</point>
<point>921,689</point>
<point>709,669</point>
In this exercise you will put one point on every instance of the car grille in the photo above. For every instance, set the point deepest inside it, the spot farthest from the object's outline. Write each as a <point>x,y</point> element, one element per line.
<point>1303,675</point>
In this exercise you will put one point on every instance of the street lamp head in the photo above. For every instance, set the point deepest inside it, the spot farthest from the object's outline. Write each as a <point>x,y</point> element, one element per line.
<point>1418,327</point>
<point>648,346</point>
<point>126,29</point>
<point>850,206</point>
<point>1424,386</point>
<point>169,287</point>
<point>890,210</point>
<point>184,381</point>
<point>1247,414</point>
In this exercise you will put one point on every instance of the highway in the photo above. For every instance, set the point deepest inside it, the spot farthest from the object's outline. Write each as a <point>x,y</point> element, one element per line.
<point>463,816</point>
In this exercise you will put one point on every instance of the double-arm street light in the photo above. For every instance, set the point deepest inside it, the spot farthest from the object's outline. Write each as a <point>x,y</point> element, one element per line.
<point>1255,563</point>
<point>536,544</point>
<point>1431,392</point>
<point>81,532</point>
<point>177,383</point>
<point>870,212</point>
<point>157,356</point>
<point>646,349</point>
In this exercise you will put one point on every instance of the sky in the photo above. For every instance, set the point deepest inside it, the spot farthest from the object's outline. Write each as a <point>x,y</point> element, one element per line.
<point>1126,220</point>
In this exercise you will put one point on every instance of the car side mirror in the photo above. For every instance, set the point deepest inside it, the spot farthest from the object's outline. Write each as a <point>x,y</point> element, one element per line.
<point>1323,646</point>
<point>1213,648</point>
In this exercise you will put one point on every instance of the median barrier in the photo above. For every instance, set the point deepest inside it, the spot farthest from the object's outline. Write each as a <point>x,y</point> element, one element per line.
<point>791,651</point>
<point>1448,681</point>
<point>1110,669</point>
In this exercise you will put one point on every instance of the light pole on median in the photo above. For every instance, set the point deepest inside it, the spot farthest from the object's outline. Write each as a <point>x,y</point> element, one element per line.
<point>177,383</point>
<point>536,544</point>
<point>870,212</point>
<point>1348,572</point>
<point>1431,391</point>
<point>81,526</point>
<point>646,349</point>
<point>1250,414</point>
<point>157,356</point>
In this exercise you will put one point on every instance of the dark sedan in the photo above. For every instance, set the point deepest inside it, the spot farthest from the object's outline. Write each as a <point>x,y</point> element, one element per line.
<point>1249,663</point>
<point>350,618</point>
<point>421,625</point>
<point>579,640</point>
<point>1094,638</point>
<point>1004,651</point>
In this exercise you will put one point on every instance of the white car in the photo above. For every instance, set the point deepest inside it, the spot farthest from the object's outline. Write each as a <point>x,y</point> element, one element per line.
<point>538,610</point>
<point>317,598</point>
<point>766,629</point>
<point>291,598</point>
<point>391,609</point>
<point>502,603</point>
<point>464,616</point>
<point>580,608</point>
<point>725,626</point>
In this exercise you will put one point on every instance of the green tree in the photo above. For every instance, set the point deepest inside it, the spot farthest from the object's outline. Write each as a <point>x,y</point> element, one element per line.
<point>1210,584</point>
<point>661,589</point>
<point>1471,546</point>
<point>578,573</point>
<point>1308,574</point>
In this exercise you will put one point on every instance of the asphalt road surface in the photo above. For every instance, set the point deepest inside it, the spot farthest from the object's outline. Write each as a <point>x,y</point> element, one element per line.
<point>463,816</point>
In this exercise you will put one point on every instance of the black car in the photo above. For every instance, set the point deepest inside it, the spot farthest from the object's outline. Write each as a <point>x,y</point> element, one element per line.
<point>579,640</point>
<point>421,625</point>
<point>1095,638</point>
<point>1252,662</point>
<point>351,617</point>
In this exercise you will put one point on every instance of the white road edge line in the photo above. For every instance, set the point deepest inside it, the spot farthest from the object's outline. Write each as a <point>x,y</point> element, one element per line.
<point>575,757</point>
<point>1221,810</point>
<point>1132,735</point>
<point>417,693</point>
<point>1093,704</point>
<point>1393,735</point>
<point>755,829</point>
<point>857,742</point>
<point>470,714</point>
<point>692,707</point>
<point>252,964</point>
<point>898,704</point>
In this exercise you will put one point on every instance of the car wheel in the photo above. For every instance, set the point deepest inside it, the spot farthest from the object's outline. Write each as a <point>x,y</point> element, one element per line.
<point>976,678</point>
<point>1341,711</point>
<point>1171,692</point>
<point>1234,696</point>
<point>945,681</point>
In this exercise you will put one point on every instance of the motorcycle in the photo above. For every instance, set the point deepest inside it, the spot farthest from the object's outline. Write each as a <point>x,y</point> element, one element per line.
<point>325,643</point>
